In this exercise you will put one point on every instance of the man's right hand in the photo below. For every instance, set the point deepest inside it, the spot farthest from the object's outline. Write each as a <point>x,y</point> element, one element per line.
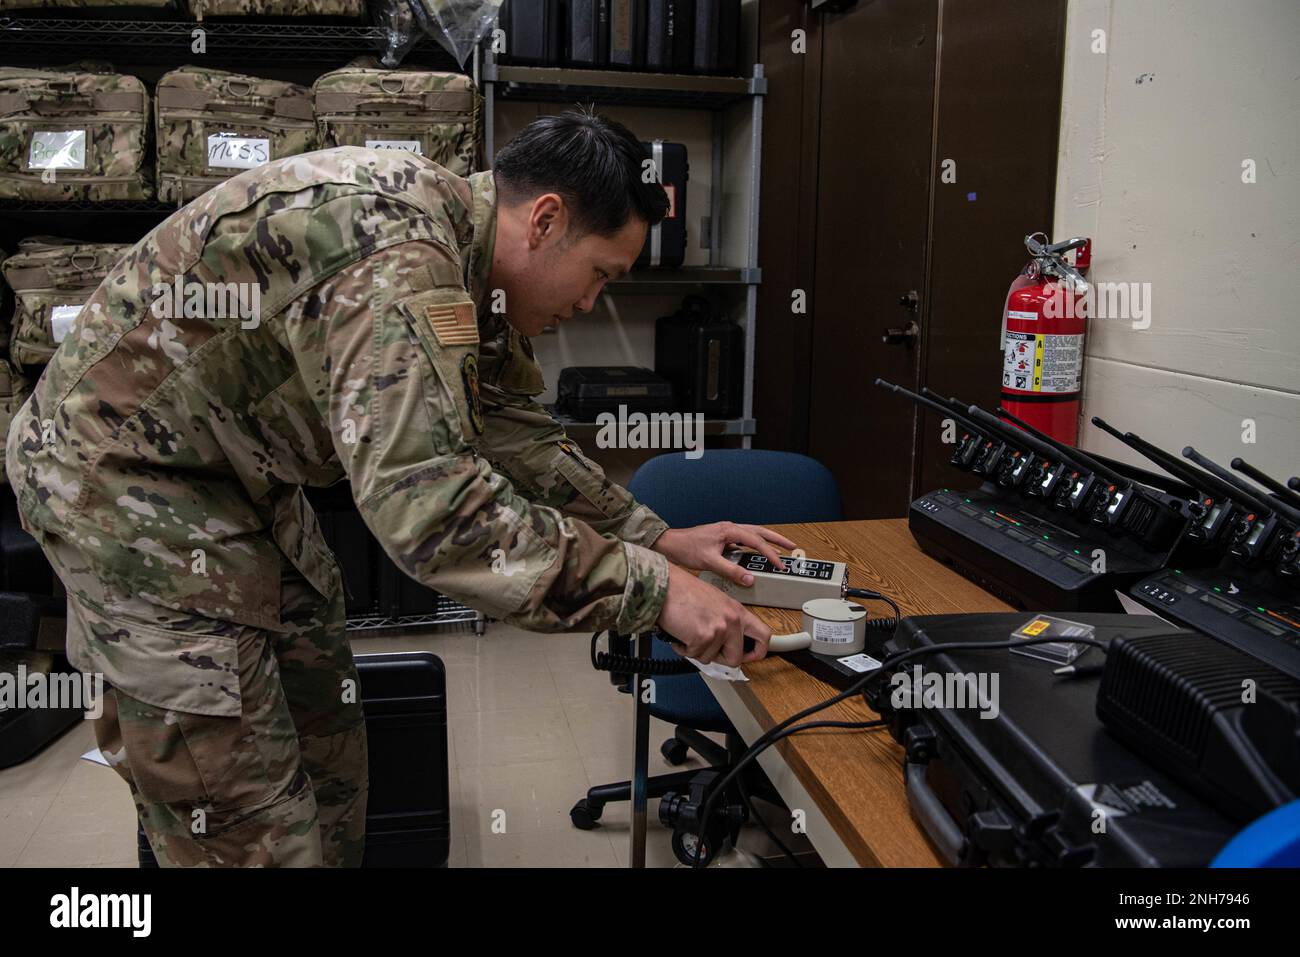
<point>710,625</point>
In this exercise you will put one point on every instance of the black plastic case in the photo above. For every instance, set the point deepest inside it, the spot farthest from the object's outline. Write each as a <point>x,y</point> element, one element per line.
<point>703,356</point>
<point>1028,786</point>
<point>584,392</point>
<point>408,814</point>
<point>408,811</point>
<point>665,245</point>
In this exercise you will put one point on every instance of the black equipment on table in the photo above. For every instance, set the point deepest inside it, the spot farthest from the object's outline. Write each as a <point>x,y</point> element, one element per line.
<point>1049,527</point>
<point>1241,580</point>
<point>1028,775</point>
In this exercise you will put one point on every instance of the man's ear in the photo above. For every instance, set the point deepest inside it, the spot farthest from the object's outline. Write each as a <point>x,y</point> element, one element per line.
<point>549,219</point>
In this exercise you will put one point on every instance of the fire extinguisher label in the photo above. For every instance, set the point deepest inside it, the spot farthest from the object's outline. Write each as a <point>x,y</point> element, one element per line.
<point>1042,363</point>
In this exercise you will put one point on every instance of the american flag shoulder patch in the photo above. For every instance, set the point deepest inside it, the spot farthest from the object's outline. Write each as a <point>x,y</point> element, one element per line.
<point>454,323</point>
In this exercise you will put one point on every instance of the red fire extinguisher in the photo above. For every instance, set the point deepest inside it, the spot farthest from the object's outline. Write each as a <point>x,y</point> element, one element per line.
<point>1043,327</point>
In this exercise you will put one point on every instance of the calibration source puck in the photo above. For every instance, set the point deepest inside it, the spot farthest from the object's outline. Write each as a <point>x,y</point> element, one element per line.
<point>837,627</point>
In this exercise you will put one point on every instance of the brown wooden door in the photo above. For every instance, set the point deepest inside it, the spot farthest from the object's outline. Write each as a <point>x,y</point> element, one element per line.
<point>999,83</point>
<point>877,106</point>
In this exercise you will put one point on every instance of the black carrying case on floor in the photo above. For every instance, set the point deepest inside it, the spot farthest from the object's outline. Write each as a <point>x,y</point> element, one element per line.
<point>26,731</point>
<point>703,356</point>
<point>408,811</point>
<point>665,244</point>
<point>534,32</point>
<point>584,392</point>
<point>1030,785</point>
<point>408,816</point>
<point>587,34</point>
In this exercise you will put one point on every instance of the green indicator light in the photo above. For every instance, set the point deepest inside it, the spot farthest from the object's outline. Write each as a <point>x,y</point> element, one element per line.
<point>1217,588</point>
<point>967,501</point>
<point>1045,536</point>
<point>1178,571</point>
<point>1077,552</point>
<point>1260,608</point>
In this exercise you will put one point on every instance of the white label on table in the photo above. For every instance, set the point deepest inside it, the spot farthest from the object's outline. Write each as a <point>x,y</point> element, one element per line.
<point>237,152</point>
<point>57,149</point>
<point>860,663</point>
<point>411,146</point>
<point>61,320</point>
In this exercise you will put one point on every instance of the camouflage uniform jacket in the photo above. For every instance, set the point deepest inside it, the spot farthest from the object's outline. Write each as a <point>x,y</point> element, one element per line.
<point>159,441</point>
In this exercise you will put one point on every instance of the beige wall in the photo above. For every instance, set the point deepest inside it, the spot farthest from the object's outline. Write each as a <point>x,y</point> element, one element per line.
<point>1154,133</point>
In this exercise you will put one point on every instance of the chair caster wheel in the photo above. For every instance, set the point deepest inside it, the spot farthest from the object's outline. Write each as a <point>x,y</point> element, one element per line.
<point>675,752</point>
<point>584,815</point>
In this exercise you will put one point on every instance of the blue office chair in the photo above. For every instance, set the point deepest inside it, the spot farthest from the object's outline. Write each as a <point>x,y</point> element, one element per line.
<point>1271,841</point>
<point>747,486</point>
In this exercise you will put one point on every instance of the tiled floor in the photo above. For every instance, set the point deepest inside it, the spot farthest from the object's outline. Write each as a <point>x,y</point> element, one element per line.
<point>532,726</point>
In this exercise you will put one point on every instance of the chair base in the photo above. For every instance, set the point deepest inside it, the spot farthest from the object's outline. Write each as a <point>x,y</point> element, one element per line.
<point>585,815</point>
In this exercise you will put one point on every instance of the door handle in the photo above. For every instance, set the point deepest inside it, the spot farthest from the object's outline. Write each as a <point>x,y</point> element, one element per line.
<point>906,335</point>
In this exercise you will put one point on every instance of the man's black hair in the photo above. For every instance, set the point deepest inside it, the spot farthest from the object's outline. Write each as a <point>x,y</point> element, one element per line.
<point>593,162</point>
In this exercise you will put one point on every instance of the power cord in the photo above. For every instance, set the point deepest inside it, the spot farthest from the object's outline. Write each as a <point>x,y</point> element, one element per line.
<point>629,664</point>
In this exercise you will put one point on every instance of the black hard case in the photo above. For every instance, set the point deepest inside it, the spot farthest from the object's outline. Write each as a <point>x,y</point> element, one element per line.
<point>408,810</point>
<point>534,32</point>
<point>584,392</point>
<point>703,356</point>
<point>587,34</point>
<point>408,814</point>
<point>1011,790</point>
<point>674,172</point>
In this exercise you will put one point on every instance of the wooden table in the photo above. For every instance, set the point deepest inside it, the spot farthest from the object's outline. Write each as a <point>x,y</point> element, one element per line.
<point>848,783</point>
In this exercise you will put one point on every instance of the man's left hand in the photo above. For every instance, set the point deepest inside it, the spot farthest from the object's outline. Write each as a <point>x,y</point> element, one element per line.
<point>701,548</point>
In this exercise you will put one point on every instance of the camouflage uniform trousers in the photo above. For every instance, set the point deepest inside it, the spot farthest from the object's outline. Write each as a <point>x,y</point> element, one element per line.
<point>283,785</point>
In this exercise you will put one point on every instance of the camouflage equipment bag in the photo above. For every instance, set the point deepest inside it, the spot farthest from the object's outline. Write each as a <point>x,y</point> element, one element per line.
<point>435,115</point>
<point>35,4</point>
<point>73,135</point>
<point>278,8</point>
<point>14,390</point>
<point>52,278</point>
<point>213,125</point>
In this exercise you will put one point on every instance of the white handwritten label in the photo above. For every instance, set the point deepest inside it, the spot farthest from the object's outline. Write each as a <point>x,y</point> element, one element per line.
<point>57,149</point>
<point>411,146</point>
<point>237,152</point>
<point>61,320</point>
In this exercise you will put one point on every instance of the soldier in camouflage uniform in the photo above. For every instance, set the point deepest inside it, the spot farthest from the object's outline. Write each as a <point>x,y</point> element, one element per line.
<point>161,458</point>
